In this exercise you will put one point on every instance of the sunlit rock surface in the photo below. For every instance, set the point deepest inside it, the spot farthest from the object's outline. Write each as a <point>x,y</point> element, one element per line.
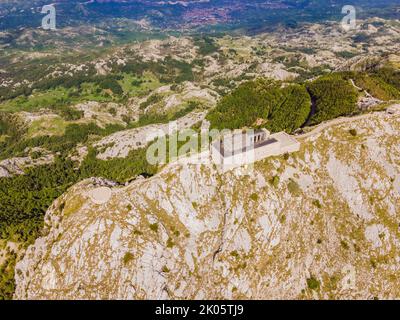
<point>326,227</point>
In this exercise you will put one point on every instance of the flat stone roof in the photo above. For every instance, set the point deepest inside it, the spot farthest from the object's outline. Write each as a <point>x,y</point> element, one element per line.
<point>260,144</point>
<point>284,139</point>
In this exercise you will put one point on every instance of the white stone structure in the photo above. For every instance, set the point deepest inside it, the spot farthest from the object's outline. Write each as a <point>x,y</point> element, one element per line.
<point>243,148</point>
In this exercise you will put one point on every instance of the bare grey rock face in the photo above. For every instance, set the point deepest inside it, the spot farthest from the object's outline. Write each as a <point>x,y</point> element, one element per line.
<point>17,165</point>
<point>322,224</point>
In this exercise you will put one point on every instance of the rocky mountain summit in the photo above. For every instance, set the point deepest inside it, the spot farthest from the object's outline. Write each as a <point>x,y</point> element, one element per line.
<point>321,223</point>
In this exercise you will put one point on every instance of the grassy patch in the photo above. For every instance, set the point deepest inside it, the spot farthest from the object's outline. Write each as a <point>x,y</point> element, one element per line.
<point>154,227</point>
<point>50,126</point>
<point>254,197</point>
<point>313,283</point>
<point>37,100</point>
<point>275,181</point>
<point>317,203</point>
<point>7,282</point>
<point>294,187</point>
<point>170,243</point>
<point>128,257</point>
<point>135,86</point>
<point>165,269</point>
<point>353,132</point>
<point>344,245</point>
<point>56,99</point>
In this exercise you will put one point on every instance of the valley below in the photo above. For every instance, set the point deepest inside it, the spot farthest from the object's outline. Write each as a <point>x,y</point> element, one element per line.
<point>85,215</point>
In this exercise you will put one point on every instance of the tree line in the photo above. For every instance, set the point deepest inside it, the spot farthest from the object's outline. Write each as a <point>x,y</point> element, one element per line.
<point>287,107</point>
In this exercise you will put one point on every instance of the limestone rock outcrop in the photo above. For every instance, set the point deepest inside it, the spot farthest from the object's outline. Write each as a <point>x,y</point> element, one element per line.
<point>323,223</point>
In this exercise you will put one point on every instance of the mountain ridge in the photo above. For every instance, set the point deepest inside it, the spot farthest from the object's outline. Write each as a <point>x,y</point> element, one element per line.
<point>318,230</point>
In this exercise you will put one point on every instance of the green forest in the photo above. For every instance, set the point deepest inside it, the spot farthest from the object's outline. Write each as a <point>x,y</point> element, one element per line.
<point>281,108</point>
<point>260,103</point>
<point>293,110</point>
<point>24,199</point>
<point>278,107</point>
<point>383,84</point>
<point>333,97</point>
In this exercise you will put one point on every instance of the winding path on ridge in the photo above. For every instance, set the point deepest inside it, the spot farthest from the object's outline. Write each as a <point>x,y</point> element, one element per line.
<point>334,122</point>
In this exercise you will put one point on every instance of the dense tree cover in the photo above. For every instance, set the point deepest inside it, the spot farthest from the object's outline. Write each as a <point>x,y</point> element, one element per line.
<point>293,112</point>
<point>7,94</point>
<point>7,282</point>
<point>281,108</point>
<point>66,81</point>
<point>249,102</point>
<point>391,76</point>
<point>136,67</point>
<point>109,81</point>
<point>111,84</point>
<point>150,118</point>
<point>117,169</point>
<point>332,97</point>
<point>11,128</point>
<point>4,126</point>
<point>168,71</point>
<point>24,199</point>
<point>288,108</point>
<point>74,134</point>
<point>375,83</point>
<point>378,88</point>
<point>345,54</point>
<point>176,71</point>
<point>362,37</point>
<point>206,45</point>
<point>311,73</point>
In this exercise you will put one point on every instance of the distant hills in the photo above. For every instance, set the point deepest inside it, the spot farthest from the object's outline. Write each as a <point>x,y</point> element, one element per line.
<point>251,15</point>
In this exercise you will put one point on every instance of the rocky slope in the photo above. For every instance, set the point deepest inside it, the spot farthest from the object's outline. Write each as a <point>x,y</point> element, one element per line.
<point>327,226</point>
